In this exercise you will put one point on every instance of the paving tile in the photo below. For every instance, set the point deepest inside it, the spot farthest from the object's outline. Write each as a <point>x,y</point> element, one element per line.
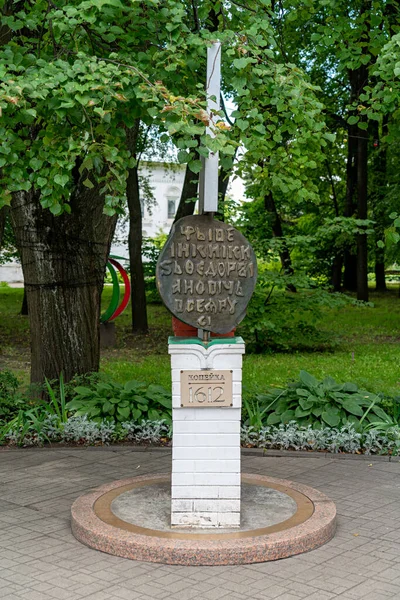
<point>40,559</point>
<point>322,596</point>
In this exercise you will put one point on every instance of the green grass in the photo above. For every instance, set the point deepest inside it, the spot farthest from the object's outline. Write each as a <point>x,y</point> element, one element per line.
<point>368,350</point>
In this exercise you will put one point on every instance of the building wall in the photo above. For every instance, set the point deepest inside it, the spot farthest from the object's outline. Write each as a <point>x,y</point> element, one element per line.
<point>167,183</point>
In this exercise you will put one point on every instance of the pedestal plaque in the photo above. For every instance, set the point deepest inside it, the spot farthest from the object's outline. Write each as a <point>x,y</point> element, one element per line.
<point>207,389</point>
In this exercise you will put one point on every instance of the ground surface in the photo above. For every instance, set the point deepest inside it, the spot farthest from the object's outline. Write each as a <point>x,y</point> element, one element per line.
<point>367,350</point>
<point>40,559</point>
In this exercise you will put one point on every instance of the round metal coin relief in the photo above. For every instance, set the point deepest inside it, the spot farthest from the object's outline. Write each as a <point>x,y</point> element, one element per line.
<point>206,273</point>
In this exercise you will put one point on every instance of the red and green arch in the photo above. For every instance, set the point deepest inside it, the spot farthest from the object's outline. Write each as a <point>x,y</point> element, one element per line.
<point>115,308</point>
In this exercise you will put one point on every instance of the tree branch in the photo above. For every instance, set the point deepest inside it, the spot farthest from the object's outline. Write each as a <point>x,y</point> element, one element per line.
<point>231,123</point>
<point>196,15</point>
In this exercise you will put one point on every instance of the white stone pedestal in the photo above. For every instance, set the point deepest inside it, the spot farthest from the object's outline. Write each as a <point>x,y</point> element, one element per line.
<point>206,441</point>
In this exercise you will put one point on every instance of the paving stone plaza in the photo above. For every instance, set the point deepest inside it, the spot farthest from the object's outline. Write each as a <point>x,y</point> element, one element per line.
<point>41,560</point>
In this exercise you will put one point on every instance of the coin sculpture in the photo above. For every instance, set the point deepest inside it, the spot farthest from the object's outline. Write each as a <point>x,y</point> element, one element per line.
<point>206,273</point>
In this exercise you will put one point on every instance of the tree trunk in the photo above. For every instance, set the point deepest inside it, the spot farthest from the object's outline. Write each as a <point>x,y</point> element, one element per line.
<point>277,232</point>
<point>3,216</point>
<point>24,306</point>
<point>336,278</point>
<point>350,257</point>
<point>223,182</point>
<point>350,271</point>
<point>362,205</point>
<point>379,164</point>
<point>63,260</point>
<point>337,263</point>
<point>188,198</point>
<point>380,277</point>
<point>362,167</point>
<point>135,238</point>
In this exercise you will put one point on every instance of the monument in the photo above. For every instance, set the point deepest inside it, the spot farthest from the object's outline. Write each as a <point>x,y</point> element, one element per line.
<point>207,512</point>
<point>206,275</point>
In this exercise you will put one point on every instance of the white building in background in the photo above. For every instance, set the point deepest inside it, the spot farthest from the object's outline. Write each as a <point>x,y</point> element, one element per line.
<point>164,181</point>
<point>161,185</point>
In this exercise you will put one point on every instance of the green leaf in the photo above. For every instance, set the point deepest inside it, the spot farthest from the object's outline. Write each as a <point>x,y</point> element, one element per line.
<point>353,419</point>
<point>353,120</point>
<point>75,404</point>
<point>107,406</point>
<point>141,400</point>
<point>242,124</point>
<point>157,389</point>
<point>195,166</point>
<point>301,413</point>
<point>87,183</point>
<point>56,209</point>
<point>35,164</point>
<point>380,412</point>
<point>330,417</point>
<point>133,385</point>
<point>353,407</point>
<point>302,392</point>
<point>154,415</point>
<point>94,412</point>
<point>165,402</point>
<point>61,179</point>
<point>241,63</point>
<point>273,419</point>
<point>287,416</point>
<point>281,406</point>
<point>350,387</point>
<point>103,387</point>
<point>124,412</point>
<point>183,156</point>
<point>306,404</point>
<point>308,379</point>
<point>317,412</point>
<point>136,414</point>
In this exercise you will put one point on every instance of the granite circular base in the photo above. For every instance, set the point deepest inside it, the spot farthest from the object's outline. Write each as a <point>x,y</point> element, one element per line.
<point>105,519</point>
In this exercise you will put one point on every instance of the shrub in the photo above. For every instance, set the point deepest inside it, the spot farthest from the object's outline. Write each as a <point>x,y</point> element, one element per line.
<point>82,430</point>
<point>151,251</point>
<point>278,319</point>
<point>11,402</point>
<point>115,402</point>
<point>293,436</point>
<point>8,384</point>
<point>317,403</point>
<point>146,431</point>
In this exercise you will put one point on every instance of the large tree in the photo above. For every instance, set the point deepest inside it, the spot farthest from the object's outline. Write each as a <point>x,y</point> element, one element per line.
<point>76,76</point>
<point>337,43</point>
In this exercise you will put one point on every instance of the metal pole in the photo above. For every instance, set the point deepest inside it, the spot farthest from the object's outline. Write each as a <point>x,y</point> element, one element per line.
<point>208,186</point>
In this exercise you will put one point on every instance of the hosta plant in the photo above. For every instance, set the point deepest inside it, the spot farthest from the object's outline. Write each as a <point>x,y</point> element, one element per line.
<point>112,401</point>
<point>320,403</point>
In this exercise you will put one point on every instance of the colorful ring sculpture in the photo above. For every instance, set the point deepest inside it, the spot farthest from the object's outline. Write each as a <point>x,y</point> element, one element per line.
<point>114,309</point>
